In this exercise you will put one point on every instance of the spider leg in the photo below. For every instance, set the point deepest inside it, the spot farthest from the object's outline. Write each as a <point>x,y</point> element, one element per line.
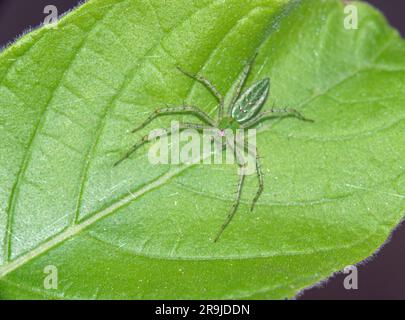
<point>259,173</point>
<point>245,74</point>
<point>182,109</point>
<point>195,126</point>
<point>247,148</point>
<point>210,87</point>
<point>235,205</point>
<point>145,139</point>
<point>275,112</point>
<point>136,146</point>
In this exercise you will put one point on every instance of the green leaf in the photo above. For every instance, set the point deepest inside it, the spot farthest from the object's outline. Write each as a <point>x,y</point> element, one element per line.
<point>69,96</point>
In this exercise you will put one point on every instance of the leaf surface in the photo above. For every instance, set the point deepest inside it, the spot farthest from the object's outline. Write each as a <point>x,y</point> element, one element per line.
<point>69,96</point>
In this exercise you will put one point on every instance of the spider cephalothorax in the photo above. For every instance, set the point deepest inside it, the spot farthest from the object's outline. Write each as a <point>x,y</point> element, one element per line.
<point>243,112</point>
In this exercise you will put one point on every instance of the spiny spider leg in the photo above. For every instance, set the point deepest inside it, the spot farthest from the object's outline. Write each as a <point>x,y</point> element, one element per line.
<point>195,126</point>
<point>136,146</point>
<point>272,112</point>
<point>182,109</point>
<point>210,87</point>
<point>235,205</point>
<point>145,139</point>
<point>246,148</point>
<point>259,173</point>
<point>245,74</point>
<point>233,209</point>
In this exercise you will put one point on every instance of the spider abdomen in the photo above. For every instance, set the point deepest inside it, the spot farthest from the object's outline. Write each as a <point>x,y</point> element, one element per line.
<point>251,101</point>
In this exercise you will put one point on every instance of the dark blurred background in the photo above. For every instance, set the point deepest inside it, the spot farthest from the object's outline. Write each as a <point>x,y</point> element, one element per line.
<point>381,278</point>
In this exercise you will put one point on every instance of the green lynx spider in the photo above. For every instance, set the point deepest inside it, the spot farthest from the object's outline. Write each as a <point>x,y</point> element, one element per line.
<point>242,113</point>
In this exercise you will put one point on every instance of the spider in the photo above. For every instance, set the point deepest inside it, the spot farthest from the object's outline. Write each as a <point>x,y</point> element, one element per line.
<point>243,112</point>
